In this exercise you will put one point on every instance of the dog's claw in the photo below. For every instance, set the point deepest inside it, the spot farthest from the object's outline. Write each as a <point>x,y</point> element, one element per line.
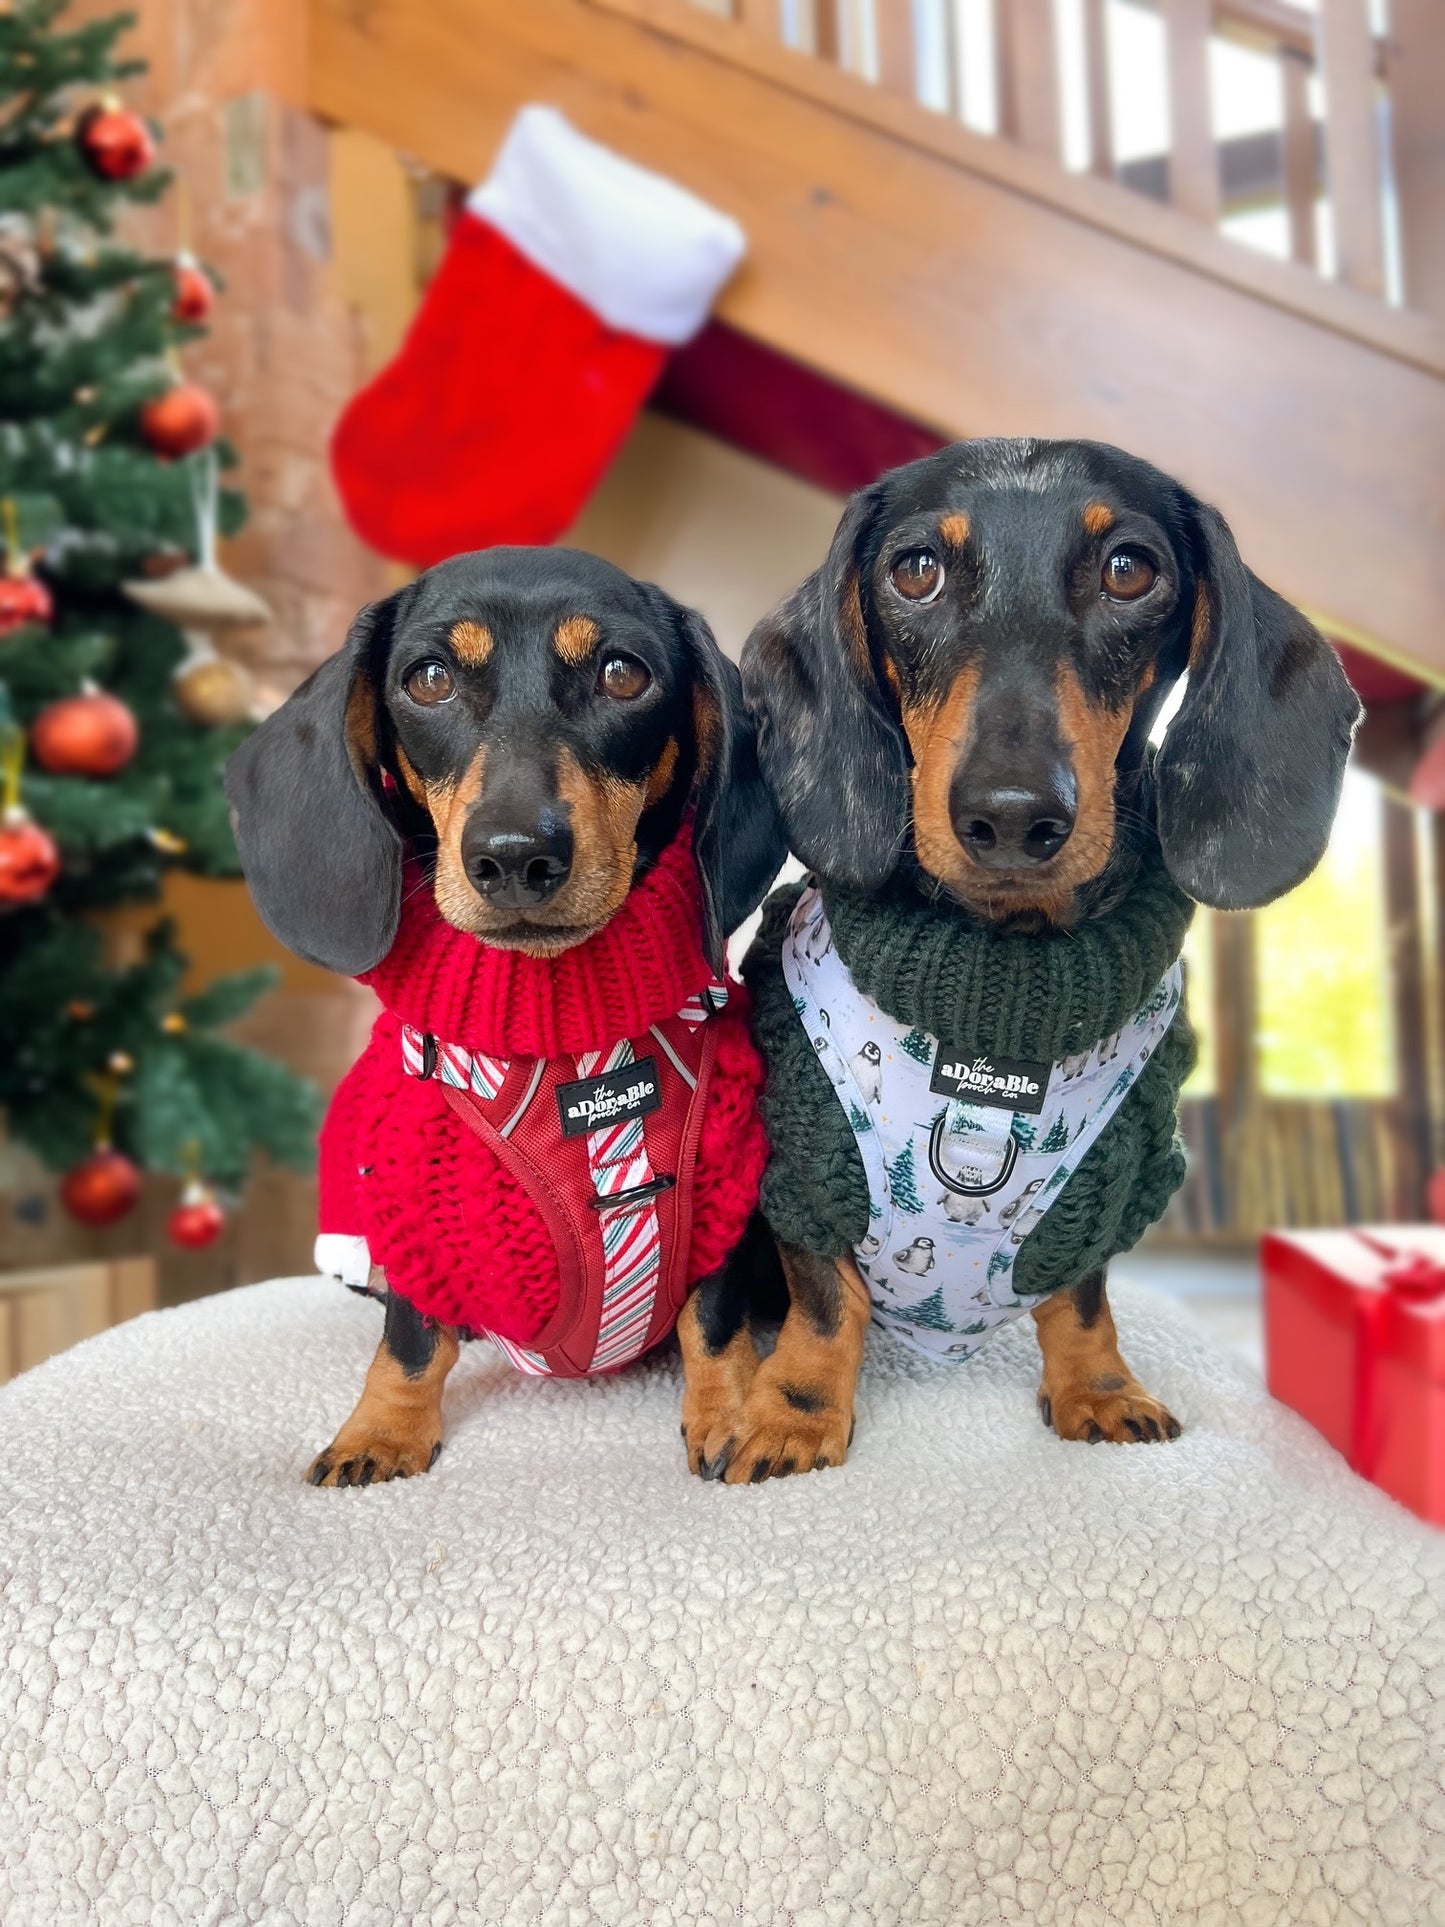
<point>1046,1410</point>
<point>319,1471</point>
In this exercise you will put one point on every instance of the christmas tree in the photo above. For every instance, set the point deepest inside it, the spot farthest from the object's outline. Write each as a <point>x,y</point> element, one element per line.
<point>114,724</point>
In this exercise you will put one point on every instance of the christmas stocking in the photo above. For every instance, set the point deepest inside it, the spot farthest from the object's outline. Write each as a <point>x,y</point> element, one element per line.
<point>566,280</point>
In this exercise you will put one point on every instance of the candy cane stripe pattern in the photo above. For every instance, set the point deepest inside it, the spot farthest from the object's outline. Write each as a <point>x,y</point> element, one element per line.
<point>450,1064</point>
<point>631,1236</point>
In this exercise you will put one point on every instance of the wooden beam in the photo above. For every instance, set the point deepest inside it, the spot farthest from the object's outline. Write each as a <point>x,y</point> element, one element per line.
<point>1028,70</point>
<point>827,30</point>
<point>1193,156</point>
<point>897,59</point>
<point>1417,113</point>
<point>1352,142</point>
<point>763,16</point>
<point>1407,989</point>
<point>965,283</point>
<point>1096,76</point>
<point>1301,158</point>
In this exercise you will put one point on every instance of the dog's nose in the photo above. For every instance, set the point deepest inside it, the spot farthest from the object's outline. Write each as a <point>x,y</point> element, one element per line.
<point>516,865</point>
<point>1014,827</point>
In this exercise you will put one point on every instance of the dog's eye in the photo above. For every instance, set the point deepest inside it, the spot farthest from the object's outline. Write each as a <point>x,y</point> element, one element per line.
<point>428,683</point>
<point>918,575</point>
<point>624,679</point>
<point>1128,575</point>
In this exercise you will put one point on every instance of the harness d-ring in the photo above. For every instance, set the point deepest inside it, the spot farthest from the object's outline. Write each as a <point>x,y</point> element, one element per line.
<point>935,1165</point>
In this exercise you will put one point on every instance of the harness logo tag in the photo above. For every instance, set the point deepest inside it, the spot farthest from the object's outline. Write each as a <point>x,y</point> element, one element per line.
<point>1003,1083</point>
<point>592,1103</point>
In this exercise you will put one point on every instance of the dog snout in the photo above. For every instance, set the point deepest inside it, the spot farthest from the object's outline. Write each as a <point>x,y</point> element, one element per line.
<point>517,862</point>
<point>1014,822</point>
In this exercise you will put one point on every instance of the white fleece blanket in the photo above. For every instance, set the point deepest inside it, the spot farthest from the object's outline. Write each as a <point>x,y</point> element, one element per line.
<point>976,1675</point>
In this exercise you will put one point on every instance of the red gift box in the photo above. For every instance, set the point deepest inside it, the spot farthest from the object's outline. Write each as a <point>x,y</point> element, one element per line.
<point>1354,1337</point>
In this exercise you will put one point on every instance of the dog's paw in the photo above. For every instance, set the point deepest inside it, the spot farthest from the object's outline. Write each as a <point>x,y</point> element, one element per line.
<point>357,1457</point>
<point>782,1428</point>
<point>709,1431</point>
<point>1115,1408</point>
<point>715,1387</point>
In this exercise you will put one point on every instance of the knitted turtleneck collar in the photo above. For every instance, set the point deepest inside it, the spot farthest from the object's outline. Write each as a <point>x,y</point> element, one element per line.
<point>640,968</point>
<point>928,962</point>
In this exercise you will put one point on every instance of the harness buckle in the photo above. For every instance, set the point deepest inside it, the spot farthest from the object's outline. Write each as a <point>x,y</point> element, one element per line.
<point>428,1055</point>
<point>629,1200</point>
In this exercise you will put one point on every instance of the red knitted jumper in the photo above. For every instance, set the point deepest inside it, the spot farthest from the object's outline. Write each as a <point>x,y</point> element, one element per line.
<point>453,1229</point>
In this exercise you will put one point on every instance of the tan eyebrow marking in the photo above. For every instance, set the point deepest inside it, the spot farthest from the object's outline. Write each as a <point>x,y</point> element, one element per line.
<point>954,529</point>
<point>1098,516</point>
<point>471,642</point>
<point>576,638</point>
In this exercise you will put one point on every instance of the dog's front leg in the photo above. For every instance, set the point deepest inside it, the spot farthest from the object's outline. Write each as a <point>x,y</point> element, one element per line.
<point>719,1360</point>
<point>798,1414</point>
<point>1087,1391</point>
<point>396,1429</point>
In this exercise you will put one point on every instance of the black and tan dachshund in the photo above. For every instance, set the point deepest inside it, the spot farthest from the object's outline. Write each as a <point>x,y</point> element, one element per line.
<point>532,725</point>
<point>963,694</point>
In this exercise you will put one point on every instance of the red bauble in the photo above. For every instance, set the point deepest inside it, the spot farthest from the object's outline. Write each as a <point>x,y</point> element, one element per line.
<point>29,858</point>
<point>195,292</point>
<point>89,735</point>
<point>182,420</point>
<point>197,1220</point>
<point>22,600</point>
<point>116,144</point>
<point>101,1189</point>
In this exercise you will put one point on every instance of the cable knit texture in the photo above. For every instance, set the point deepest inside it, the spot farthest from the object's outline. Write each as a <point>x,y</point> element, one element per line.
<point>455,1232</point>
<point>931,964</point>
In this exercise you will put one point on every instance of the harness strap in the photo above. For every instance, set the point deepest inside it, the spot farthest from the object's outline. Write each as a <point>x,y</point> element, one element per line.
<point>623,1274</point>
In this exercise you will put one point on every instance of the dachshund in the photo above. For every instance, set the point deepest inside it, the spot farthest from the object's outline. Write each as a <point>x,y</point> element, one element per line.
<point>530,727</point>
<point>960,701</point>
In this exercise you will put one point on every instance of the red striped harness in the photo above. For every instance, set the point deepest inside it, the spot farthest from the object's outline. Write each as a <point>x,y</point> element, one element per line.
<point>604,1144</point>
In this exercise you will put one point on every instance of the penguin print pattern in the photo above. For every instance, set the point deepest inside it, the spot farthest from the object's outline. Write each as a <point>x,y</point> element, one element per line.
<point>1011,1211</point>
<point>939,1258</point>
<point>868,1072</point>
<point>957,1208</point>
<point>916,1258</point>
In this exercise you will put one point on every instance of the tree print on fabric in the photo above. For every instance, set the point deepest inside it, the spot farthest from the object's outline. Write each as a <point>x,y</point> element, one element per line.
<point>930,1314</point>
<point>919,1046</point>
<point>1058,1137</point>
<point>903,1182</point>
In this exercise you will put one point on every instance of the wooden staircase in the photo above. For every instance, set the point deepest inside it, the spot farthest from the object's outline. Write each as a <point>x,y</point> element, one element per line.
<point>973,283</point>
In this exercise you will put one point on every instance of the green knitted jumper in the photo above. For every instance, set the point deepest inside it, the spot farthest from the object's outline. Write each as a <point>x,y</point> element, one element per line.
<point>930,964</point>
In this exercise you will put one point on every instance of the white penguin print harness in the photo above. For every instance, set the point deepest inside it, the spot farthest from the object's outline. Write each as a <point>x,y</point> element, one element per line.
<point>963,1153</point>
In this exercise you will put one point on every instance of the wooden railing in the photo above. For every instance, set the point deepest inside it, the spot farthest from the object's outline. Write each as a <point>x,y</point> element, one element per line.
<point>1371,160</point>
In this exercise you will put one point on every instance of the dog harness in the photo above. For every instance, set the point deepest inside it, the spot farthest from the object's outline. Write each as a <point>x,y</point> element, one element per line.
<point>604,1145</point>
<point>963,1153</point>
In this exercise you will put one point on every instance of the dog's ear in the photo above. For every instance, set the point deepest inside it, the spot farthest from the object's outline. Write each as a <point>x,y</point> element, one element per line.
<point>830,745</point>
<point>1249,774</point>
<point>320,853</point>
<point>736,837</point>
